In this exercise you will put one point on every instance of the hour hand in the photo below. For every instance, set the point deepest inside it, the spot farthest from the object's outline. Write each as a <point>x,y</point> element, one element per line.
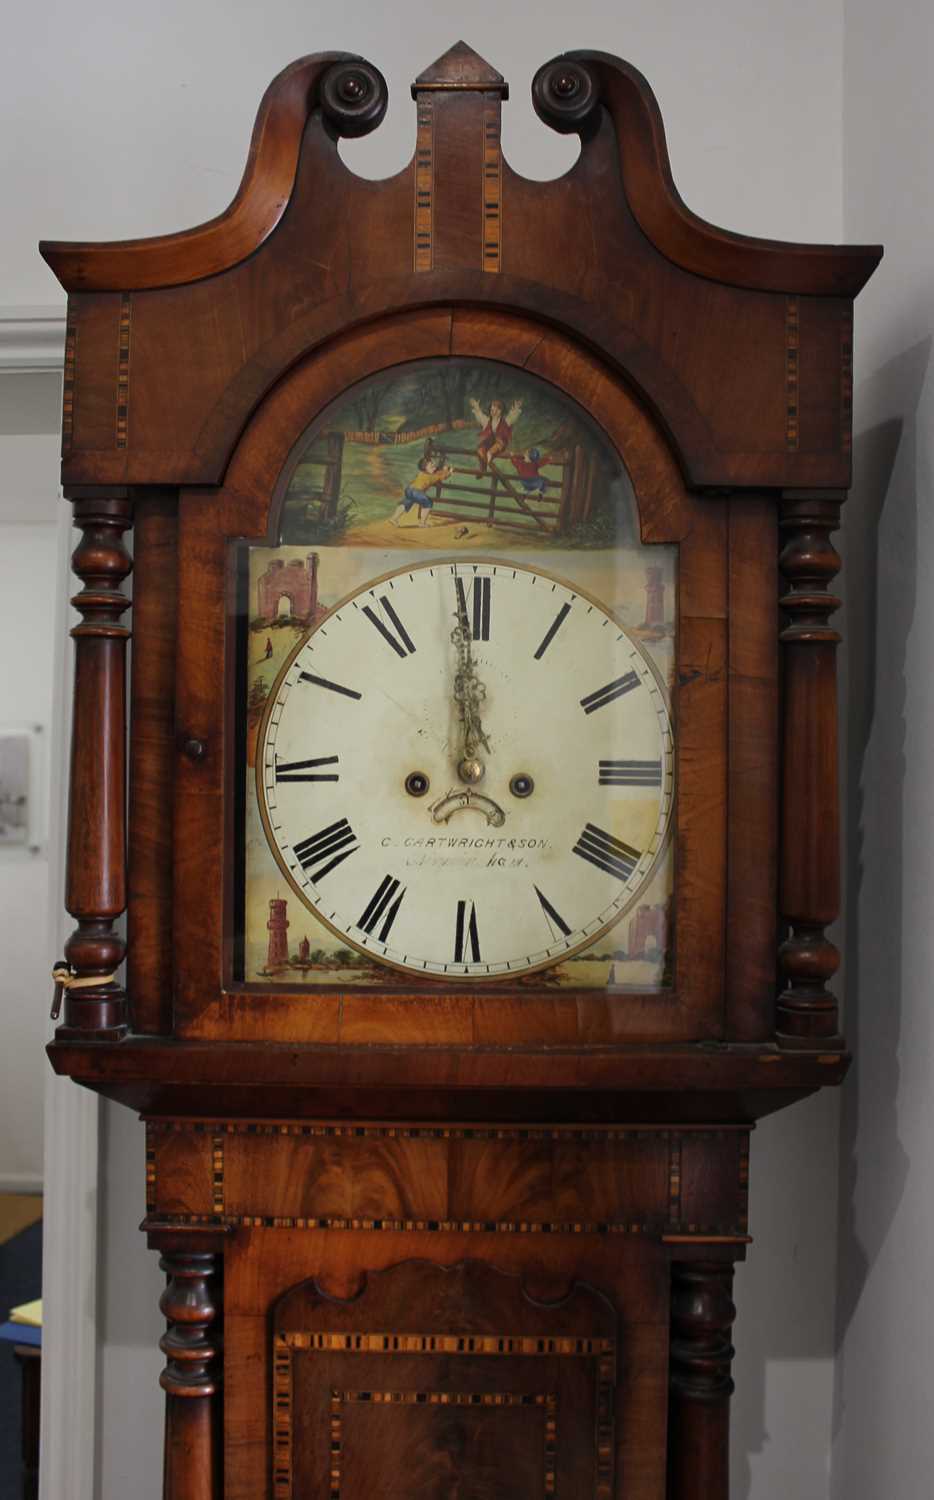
<point>469,693</point>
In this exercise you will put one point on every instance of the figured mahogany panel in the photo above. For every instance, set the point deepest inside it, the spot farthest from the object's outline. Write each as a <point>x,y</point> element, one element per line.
<point>93,374</point>
<point>454,1377</point>
<point>753,767</point>
<point>630,1295</point>
<point>181,1182</point>
<point>199,756</point>
<point>619,1181</point>
<point>324,1354</point>
<point>713,1173</point>
<point>152,764</point>
<point>450,1019</point>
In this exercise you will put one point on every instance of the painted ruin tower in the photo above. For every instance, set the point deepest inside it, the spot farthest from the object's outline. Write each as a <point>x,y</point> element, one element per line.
<point>296,582</point>
<point>648,931</point>
<point>277,953</point>
<point>654,597</point>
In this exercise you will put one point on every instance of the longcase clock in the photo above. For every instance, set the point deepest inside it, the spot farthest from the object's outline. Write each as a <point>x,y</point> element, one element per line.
<point>482,807</point>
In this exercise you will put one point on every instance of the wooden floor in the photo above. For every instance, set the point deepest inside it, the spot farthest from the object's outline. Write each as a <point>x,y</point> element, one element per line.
<point>17,1212</point>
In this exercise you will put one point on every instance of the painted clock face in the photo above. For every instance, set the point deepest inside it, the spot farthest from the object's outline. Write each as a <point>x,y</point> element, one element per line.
<point>466,769</point>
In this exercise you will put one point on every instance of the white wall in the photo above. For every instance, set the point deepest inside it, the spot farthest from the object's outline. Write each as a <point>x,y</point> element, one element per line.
<point>883,1443</point>
<point>28,557</point>
<point>124,118</point>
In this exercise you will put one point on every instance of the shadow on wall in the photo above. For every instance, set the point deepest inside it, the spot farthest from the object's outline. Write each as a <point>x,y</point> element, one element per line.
<point>881,566</point>
<point>794,1153</point>
<point>784,1330</point>
<point>129,1404</point>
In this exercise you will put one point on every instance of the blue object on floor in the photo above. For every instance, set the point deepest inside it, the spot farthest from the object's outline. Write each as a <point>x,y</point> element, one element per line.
<point>20,1333</point>
<point>20,1281</point>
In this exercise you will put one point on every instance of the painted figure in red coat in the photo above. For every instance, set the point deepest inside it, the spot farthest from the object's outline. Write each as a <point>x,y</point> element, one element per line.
<point>527,467</point>
<point>496,429</point>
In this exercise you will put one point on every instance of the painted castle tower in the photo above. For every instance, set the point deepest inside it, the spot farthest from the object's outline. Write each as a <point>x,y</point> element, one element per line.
<point>277,953</point>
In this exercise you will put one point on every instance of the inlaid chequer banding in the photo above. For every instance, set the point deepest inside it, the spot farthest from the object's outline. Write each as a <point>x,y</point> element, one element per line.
<point>445,1398</point>
<point>421,1226</point>
<point>216,1207</point>
<point>68,383</point>
<point>123,374</point>
<point>217,1172</point>
<point>336,1447</point>
<point>150,1172</point>
<point>846,381</point>
<point>792,349</point>
<point>492,185</point>
<point>585,1133</point>
<point>606,1381</point>
<point>743,1224</point>
<point>674,1178</point>
<point>600,1350</point>
<point>466,1344</point>
<point>546,1402</point>
<point>424,184</point>
<point>282,1421</point>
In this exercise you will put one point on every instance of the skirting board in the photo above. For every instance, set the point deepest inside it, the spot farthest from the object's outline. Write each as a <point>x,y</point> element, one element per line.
<point>18,1182</point>
<point>31,338</point>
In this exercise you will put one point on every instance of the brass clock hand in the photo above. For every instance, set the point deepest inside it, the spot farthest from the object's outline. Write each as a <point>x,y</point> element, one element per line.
<point>469,693</point>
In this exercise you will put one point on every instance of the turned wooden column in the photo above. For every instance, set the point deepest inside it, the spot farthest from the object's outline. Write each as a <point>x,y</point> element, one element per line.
<point>95,893</point>
<point>810,859</point>
<point>191,1376</point>
<point>702,1314</point>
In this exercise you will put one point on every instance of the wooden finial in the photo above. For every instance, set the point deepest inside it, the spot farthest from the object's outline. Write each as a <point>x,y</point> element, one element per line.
<point>461,68</point>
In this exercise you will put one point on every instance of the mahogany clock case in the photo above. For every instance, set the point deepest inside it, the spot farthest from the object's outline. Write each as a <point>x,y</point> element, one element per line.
<point>486,1229</point>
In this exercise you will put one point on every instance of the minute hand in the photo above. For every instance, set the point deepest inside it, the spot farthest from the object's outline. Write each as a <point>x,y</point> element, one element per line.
<point>469,693</point>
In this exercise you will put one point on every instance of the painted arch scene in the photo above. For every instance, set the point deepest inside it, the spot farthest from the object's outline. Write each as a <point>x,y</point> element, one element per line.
<point>457,454</point>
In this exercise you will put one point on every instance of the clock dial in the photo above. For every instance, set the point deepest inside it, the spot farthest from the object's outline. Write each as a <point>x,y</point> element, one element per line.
<point>466,769</point>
